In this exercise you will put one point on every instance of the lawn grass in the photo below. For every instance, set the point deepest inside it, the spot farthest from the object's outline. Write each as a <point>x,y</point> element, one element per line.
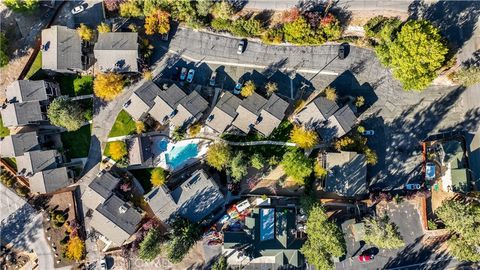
<point>74,85</point>
<point>143,176</point>
<point>77,143</point>
<point>4,131</point>
<point>36,66</point>
<point>124,125</point>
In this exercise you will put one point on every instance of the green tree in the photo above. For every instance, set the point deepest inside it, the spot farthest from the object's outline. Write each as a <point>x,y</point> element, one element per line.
<point>151,245</point>
<point>150,6</point>
<point>467,76</point>
<point>204,7</point>
<point>324,239</point>
<point>4,59</point>
<point>131,9</point>
<point>218,156</point>
<point>381,28</point>
<point>65,113</point>
<point>273,35</point>
<point>158,177</point>
<point>183,10</point>
<point>462,219</point>
<point>382,233</point>
<point>185,234</point>
<point>258,161</point>
<point>416,54</point>
<point>220,263</point>
<point>359,101</point>
<point>221,24</point>
<point>222,10</point>
<point>246,27</point>
<point>300,32</point>
<point>297,165</point>
<point>238,167</point>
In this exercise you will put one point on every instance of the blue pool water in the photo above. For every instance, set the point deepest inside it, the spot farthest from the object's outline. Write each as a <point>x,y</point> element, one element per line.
<point>159,145</point>
<point>179,154</point>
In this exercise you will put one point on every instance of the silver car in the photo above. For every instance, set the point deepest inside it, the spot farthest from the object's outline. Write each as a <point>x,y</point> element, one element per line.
<point>241,47</point>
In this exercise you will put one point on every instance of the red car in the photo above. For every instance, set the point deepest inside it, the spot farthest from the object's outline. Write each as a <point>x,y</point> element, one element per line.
<point>365,258</point>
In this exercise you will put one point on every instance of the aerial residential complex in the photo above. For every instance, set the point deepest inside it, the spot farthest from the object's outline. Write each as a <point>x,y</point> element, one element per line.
<point>239,135</point>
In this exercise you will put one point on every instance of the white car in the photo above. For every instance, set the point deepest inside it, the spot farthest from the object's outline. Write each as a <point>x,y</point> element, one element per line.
<point>413,186</point>
<point>103,264</point>
<point>77,9</point>
<point>368,133</point>
<point>190,75</point>
<point>241,47</point>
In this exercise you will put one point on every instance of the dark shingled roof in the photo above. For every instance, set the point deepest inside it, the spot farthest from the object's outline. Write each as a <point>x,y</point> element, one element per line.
<point>61,49</point>
<point>17,144</point>
<point>117,51</point>
<point>23,91</point>
<point>194,199</point>
<point>173,95</point>
<point>228,103</point>
<point>194,103</point>
<point>283,245</point>
<point>224,112</point>
<point>326,107</point>
<point>50,180</point>
<point>36,161</point>
<point>254,103</point>
<point>20,114</point>
<point>276,106</point>
<point>104,184</point>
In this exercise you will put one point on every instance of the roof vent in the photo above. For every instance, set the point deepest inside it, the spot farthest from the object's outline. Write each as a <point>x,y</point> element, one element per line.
<point>122,209</point>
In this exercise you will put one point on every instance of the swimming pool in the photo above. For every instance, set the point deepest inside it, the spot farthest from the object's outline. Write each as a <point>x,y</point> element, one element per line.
<point>178,154</point>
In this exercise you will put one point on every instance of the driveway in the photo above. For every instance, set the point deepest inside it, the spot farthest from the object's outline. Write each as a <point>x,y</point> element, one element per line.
<point>22,227</point>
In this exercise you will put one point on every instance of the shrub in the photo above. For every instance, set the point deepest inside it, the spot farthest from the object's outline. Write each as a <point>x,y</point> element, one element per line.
<point>139,127</point>
<point>21,5</point>
<point>319,171</point>
<point>178,134</point>
<point>290,15</point>
<point>238,167</point>
<point>271,87</point>
<point>371,156</point>
<point>112,5</point>
<point>467,76</point>
<point>75,248</point>
<point>131,9</point>
<point>431,225</point>
<point>246,27</point>
<point>150,247</point>
<point>331,94</point>
<point>85,32</point>
<point>359,101</point>
<point>222,10</point>
<point>221,24</point>
<point>158,177</point>
<point>22,191</point>
<point>104,28</point>
<point>4,59</point>
<point>273,36</point>
<point>257,161</point>
<point>195,129</point>
<point>248,89</point>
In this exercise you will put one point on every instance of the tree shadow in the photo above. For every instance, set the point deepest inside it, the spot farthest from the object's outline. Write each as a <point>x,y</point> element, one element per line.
<point>474,61</point>
<point>265,16</point>
<point>455,19</point>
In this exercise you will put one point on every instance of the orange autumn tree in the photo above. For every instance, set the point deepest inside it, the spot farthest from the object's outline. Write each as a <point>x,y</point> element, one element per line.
<point>117,150</point>
<point>157,22</point>
<point>107,86</point>
<point>75,248</point>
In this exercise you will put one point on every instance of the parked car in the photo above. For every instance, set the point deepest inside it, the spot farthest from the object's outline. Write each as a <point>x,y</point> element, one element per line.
<point>342,51</point>
<point>190,75</point>
<point>164,37</point>
<point>212,79</point>
<point>368,133</point>
<point>238,88</point>
<point>241,47</point>
<point>126,104</point>
<point>103,264</point>
<point>413,186</point>
<point>77,9</point>
<point>365,258</point>
<point>183,74</point>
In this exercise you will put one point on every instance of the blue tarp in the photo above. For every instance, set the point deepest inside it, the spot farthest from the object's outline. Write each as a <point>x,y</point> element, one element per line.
<point>267,221</point>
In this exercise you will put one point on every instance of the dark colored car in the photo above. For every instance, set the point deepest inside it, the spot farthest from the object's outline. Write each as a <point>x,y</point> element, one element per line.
<point>342,51</point>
